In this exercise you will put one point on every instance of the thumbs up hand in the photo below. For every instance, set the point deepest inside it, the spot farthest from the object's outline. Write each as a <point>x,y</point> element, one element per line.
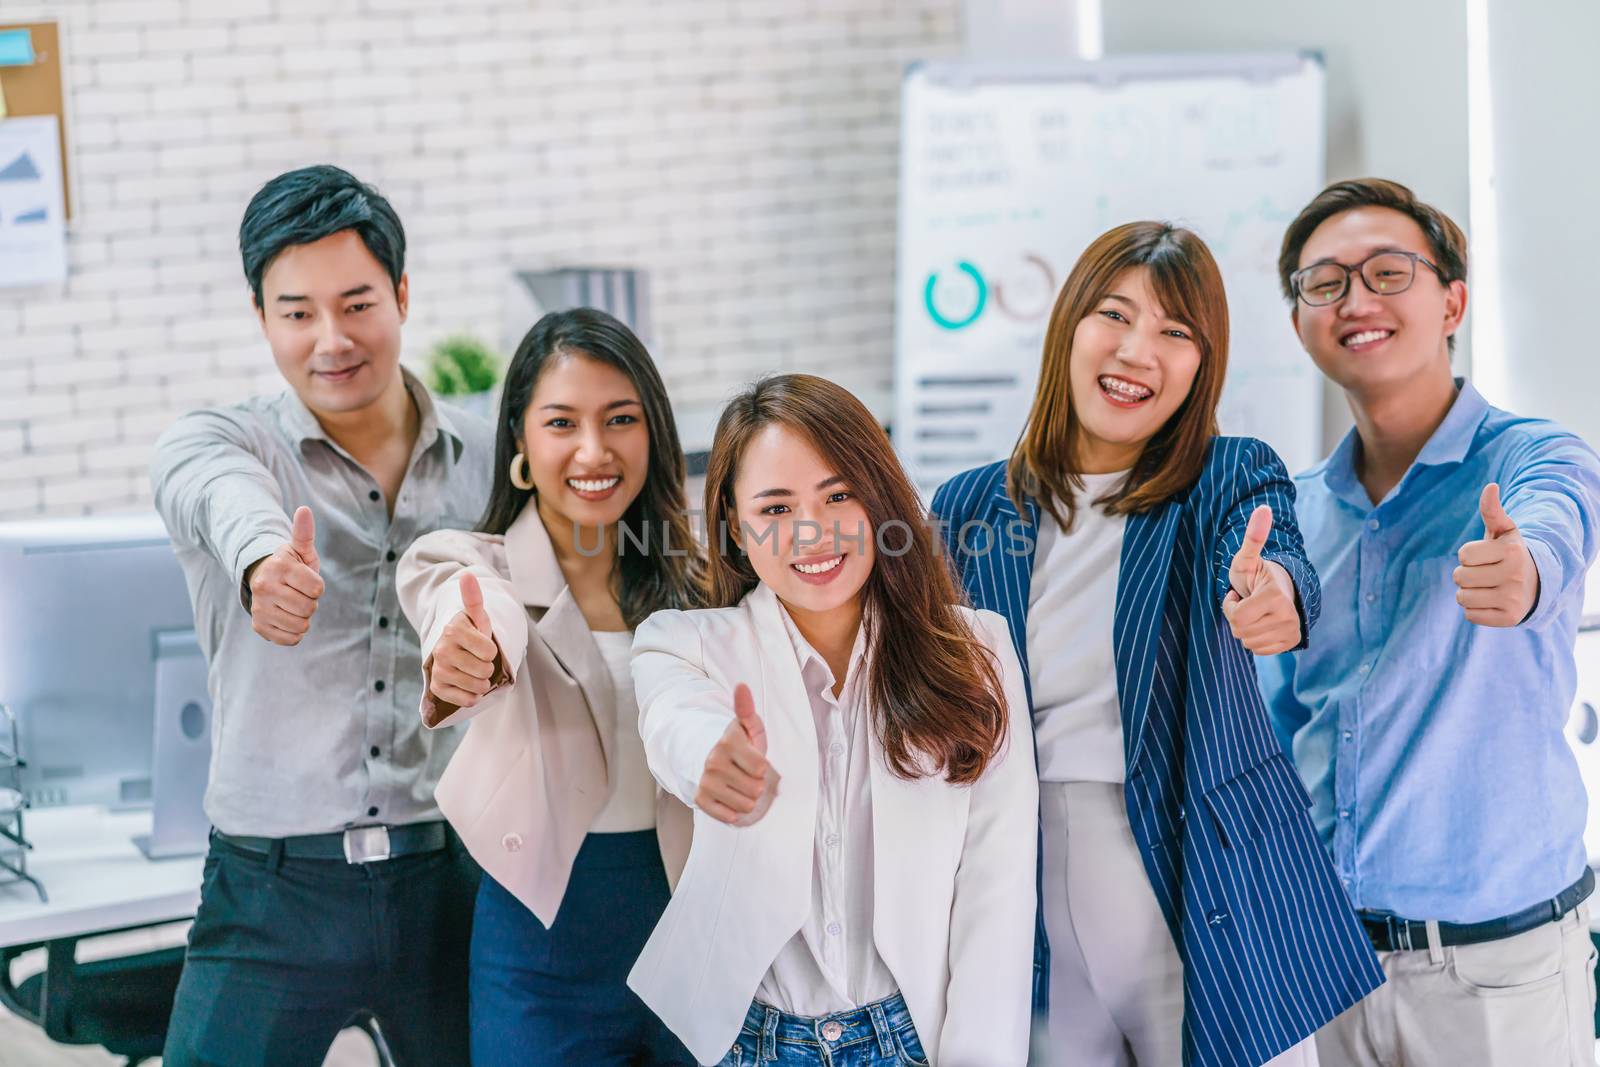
<point>1497,582</point>
<point>462,667</point>
<point>1260,607</point>
<point>738,784</point>
<point>284,586</point>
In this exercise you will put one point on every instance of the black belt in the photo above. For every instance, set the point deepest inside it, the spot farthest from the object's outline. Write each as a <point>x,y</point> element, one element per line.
<point>1390,933</point>
<point>359,844</point>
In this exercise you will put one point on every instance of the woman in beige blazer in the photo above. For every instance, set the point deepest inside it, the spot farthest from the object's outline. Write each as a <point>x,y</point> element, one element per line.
<point>526,629</point>
<point>859,757</point>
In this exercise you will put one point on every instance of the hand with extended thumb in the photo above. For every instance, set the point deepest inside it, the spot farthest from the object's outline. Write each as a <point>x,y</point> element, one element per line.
<point>738,784</point>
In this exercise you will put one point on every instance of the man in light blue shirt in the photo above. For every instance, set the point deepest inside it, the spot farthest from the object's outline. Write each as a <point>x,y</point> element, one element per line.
<point>1452,539</point>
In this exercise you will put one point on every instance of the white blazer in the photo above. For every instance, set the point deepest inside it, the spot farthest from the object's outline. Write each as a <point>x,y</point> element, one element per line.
<point>953,866</point>
<point>533,771</point>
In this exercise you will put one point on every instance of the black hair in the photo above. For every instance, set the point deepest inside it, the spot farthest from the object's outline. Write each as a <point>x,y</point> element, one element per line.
<point>665,571</point>
<point>311,203</point>
<point>1445,239</point>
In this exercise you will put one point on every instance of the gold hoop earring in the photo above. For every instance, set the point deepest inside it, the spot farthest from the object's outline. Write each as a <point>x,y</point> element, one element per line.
<point>519,472</point>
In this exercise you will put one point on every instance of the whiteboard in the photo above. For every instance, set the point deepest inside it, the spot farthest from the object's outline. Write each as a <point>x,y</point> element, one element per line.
<point>1007,174</point>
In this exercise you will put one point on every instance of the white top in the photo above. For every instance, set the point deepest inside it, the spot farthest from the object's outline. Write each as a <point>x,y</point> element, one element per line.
<point>1071,608</point>
<point>632,805</point>
<point>832,963</point>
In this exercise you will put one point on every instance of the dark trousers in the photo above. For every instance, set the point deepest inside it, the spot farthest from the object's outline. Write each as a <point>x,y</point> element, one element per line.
<point>284,953</point>
<point>559,996</point>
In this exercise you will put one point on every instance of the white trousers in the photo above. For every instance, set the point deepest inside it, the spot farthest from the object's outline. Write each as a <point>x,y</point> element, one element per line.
<point>1116,981</point>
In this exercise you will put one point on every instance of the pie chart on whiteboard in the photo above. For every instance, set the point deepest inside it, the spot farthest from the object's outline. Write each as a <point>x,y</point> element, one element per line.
<point>955,295</point>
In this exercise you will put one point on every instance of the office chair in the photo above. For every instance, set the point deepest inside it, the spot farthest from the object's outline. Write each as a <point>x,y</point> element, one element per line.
<point>121,1004</point>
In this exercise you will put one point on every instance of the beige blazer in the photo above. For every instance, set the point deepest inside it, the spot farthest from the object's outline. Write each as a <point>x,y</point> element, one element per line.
<point>531,774</point>
<point>953,866</point>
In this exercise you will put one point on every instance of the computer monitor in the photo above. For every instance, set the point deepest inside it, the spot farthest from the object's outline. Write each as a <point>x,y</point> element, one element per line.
<point>83,605</point>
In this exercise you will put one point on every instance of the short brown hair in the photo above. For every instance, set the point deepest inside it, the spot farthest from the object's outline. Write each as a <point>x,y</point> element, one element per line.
<point>935,688</point>
<point>1445,239</point>
<point>1185,278</point>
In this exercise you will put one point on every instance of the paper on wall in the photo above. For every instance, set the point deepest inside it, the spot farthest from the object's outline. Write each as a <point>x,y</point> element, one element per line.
<point>33,232</point>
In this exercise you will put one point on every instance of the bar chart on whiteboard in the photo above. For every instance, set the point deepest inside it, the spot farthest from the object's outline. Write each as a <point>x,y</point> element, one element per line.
<point>1008,173</point>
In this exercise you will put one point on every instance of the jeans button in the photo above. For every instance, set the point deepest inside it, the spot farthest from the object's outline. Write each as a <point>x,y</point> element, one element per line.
<point>832,1031</point>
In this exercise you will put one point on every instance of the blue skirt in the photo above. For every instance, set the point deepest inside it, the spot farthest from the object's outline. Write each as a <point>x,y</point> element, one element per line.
<point>559,996</point>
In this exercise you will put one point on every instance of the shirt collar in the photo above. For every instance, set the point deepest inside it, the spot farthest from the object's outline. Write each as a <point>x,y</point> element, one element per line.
<point>434,421</point>
<point>1450,443</point>
<point>1453,439</point>
<point>813,667</point>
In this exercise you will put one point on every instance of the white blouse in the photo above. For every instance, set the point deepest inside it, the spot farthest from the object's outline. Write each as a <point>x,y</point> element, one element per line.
<point>1072,605</point>
<point>832,963</point>
<point>632,805</point>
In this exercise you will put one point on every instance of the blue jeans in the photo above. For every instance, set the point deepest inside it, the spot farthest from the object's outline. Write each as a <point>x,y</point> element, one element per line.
<point>558,997</point>
<point>878,1035</point>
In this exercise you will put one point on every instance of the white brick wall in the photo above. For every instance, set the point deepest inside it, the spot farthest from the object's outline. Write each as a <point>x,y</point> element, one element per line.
<point>743,152</point>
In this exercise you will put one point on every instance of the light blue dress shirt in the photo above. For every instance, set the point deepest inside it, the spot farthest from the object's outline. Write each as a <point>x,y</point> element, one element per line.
<point>1432,747</point>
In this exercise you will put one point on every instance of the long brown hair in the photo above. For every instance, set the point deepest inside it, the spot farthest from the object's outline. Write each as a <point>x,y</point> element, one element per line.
<point>1186,280</point>
<point>934,687</point>
<point>652,577</point>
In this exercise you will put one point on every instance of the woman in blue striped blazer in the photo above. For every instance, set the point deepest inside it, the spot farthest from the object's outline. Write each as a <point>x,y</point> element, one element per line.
<point>1187,911</point>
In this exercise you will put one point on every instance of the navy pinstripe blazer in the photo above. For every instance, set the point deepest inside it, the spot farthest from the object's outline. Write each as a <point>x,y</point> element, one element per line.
<point>1271,948</point>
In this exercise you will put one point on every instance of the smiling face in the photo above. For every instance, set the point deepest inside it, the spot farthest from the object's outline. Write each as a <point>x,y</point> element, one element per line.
<point>332,319</point>
<point>1366,342</point>
<point>805,533</point>
<point>1131,367</point>
<point>586,441</point>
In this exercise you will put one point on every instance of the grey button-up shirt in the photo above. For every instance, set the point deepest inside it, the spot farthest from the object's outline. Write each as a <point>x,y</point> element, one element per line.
<point>327,734</point>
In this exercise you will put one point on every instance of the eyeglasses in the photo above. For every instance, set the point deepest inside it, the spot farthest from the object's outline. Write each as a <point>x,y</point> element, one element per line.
<point>1383,273</point>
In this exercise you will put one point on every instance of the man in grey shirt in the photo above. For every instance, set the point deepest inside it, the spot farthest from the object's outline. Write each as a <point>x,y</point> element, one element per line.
<point>332,889</point>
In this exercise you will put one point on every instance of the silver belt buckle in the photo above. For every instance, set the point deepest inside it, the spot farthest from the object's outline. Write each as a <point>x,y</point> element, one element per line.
<point>366,844</point>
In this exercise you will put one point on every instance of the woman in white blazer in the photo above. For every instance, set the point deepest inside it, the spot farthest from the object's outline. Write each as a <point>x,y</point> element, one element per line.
<point>525,628</point>
<point>857,752</point>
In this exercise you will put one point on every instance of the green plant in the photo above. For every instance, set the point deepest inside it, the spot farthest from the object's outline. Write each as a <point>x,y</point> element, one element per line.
<point>461,365</point>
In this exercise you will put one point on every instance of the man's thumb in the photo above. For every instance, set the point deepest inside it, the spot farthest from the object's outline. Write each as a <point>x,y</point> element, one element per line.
<point>1496,523</point>
<point>303,539</point>
<point>472,603</point>
<point>744,709</point>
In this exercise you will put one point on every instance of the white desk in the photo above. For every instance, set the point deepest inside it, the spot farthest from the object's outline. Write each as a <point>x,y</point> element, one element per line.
<point>97,878</point>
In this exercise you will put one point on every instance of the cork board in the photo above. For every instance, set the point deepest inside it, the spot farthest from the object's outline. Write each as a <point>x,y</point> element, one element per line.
<point>37,89</point>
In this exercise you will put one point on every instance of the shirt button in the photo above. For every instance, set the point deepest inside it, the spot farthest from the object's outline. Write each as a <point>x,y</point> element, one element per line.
<point>373,751</point>
<point>378,685</point>
<point>383,622</point>
<point>836,749</point>
<point>833,840</point>
<point>1349,735</point>
<point>1373,524</point>
<point>373,495</point>
<point>372,811</point>
<point>1364,668</point>
<point>1217,916</point>
<point>1371,597</point>
<point>833,929</point>
<point>389,555</point>
<point>1344,813</point>
<point>511,842</point>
